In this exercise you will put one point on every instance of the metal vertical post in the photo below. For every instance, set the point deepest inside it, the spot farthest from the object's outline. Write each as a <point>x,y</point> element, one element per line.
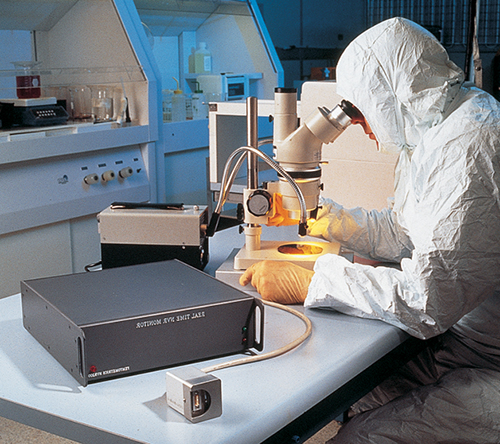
<point>253,141</point>
<point>252,231</point>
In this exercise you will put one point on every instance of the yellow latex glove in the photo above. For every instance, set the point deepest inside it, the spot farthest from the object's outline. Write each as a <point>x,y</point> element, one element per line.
<point>281,282</point>
<point>279,215</point>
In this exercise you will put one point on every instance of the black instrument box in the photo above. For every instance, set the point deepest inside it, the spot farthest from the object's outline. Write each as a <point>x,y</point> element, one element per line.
<point>116,322</point>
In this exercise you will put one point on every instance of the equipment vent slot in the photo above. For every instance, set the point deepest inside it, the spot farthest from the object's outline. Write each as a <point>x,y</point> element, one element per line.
<point>80,356</point>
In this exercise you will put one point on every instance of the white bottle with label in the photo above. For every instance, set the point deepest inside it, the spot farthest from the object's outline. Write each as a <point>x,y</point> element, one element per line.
<point>189,106</point>
<point>200,107</point>
<point>202,59</point>
<point>178,104</point>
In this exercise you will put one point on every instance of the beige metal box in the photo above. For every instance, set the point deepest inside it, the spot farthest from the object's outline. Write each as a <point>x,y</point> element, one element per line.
<point>139,233</point>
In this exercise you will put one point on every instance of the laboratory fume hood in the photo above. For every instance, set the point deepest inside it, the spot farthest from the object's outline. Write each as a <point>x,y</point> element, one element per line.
<point>232,32</point>
<point>54,178</point>
<point>242,62</point>
<point>56,175</point>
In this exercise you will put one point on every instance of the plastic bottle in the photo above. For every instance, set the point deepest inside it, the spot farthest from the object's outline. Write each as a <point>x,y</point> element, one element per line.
<point>202,59</point>
<point>178,104</point>
<point>167,105</point>
<point>200,107</point>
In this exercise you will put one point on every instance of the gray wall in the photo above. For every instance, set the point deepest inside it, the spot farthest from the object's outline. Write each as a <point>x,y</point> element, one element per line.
<point>313,24</point>
<point>332,24</point>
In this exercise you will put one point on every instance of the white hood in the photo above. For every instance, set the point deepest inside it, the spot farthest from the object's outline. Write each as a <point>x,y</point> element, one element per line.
<point>400,82</point>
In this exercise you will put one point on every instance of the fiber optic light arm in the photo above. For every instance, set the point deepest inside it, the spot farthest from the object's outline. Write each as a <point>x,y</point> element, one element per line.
<point>228,179</point>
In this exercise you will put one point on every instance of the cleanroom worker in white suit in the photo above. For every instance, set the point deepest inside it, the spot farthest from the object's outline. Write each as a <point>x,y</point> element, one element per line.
<point>443,230</point>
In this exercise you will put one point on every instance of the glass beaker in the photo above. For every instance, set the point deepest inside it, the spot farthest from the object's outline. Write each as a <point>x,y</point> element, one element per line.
<point>80,103</point>
<point>102,103</point>
<point>27,80</point>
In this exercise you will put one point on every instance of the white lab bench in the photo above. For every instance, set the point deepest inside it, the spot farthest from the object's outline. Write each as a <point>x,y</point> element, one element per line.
<point>284,399</point>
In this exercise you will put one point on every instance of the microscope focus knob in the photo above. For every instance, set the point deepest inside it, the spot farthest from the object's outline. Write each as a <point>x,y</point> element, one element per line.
<point>259,202</point>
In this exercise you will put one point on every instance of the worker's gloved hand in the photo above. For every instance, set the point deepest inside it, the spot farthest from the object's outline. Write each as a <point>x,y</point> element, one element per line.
<point>279,215</point>
<point>330,222</point>
<point>281,282</point>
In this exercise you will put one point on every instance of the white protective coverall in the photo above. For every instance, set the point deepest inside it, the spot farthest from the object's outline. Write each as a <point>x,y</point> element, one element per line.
<point>444,230</point>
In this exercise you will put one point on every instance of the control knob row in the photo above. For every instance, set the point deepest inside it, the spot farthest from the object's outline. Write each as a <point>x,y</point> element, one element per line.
<point>107,176</point>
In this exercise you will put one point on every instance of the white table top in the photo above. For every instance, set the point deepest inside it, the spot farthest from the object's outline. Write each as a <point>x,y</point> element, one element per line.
<point>258,398</point>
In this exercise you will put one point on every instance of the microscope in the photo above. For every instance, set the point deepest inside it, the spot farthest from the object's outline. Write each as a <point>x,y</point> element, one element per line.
<point>294,197</point>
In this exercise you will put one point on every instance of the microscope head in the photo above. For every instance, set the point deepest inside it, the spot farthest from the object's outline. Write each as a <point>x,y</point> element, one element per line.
<point>299,151</point>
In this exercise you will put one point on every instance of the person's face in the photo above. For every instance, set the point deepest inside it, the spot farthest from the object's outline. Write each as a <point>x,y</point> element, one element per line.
<point>359,119</point>
<point>367,129</point>
<point>362,121</point>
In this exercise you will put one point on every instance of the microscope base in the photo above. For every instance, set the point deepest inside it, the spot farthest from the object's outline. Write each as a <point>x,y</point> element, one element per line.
<point>300,253</point>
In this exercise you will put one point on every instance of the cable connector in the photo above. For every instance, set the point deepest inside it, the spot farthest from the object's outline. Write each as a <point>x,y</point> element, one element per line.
<point>194,393</point>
